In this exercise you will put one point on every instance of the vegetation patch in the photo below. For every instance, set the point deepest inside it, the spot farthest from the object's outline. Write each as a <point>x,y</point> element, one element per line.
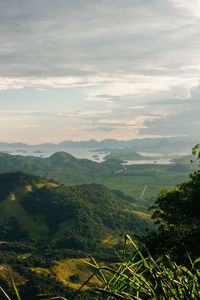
<point>74,272</point>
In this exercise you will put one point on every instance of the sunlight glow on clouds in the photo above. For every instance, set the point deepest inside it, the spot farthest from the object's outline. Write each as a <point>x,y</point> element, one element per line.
<point>98,69</point>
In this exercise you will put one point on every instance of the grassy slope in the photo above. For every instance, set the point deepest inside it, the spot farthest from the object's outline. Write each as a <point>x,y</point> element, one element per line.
<point>157,176</point>
<point>65,269</point>
<point>47,210</point>
<point>11,206</point>
<point>71,272</point>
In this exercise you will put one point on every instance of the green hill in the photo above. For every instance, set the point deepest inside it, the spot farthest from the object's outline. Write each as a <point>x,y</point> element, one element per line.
<point>127,154</point>
<point>46,228</point>
<point>73,214</point>
<point>60,166</point>
<point>64,168</point>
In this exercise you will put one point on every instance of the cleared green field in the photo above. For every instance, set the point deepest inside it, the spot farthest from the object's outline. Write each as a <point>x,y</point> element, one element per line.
<point>152,178</point>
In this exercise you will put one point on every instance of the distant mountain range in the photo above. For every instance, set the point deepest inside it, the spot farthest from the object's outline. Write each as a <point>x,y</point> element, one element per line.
<point>150,144</point>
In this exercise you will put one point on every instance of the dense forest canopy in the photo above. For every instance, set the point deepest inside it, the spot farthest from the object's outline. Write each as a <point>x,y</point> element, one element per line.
<point>176,212</point>
<point>45,226</point>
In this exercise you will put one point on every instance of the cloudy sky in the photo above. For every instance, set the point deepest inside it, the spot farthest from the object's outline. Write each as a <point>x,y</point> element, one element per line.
<point>82,69</point>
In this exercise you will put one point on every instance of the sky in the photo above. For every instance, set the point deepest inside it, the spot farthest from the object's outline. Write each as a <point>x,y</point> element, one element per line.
<point>119,69</point>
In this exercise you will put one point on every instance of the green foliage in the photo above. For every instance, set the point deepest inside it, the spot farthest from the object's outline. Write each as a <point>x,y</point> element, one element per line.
<point>16,290</point>
<point>72,217</point>
<point>142,277</point>
<point>65,168</point>
<point>11,180</point>
<point>10,230</point>
<point>61,165</point>
<point>196,153</point>
<point>82,213</point>
<point>80,218</point>
<point>176,213</point>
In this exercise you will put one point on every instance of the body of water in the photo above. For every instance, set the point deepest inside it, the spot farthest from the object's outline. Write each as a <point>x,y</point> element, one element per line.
<point>159,161</point>
<point>84,153</point>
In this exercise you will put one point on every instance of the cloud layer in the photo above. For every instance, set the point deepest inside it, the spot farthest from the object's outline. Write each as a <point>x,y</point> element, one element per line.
<point>136,64</point>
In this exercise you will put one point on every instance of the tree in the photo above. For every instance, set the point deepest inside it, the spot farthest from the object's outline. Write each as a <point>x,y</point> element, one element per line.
<point>196,153</point>
<point>176,213</point>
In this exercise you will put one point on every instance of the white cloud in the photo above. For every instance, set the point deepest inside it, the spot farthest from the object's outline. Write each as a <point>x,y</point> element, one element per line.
<point>181,120</point>
<point>137,107</point>
<point>192,6</point>
<point>133,59</point>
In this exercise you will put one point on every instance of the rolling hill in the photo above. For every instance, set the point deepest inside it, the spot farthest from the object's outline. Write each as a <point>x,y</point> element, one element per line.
<point>60,166</point>
<point>46,228</point>
<point>64,168</point>
<point>74,215</point>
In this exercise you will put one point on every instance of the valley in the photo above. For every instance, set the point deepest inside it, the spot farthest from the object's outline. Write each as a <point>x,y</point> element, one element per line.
<point>56,211</point>
<point>99,150</point>
<point>131,179</point>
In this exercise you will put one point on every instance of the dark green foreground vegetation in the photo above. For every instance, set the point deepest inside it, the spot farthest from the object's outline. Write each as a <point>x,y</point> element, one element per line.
<point>44,225</point>
<point>142,277</point>
<point>177,215</point>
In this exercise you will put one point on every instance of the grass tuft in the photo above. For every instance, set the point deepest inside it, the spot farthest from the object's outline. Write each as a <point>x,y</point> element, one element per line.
<point>145,278</point>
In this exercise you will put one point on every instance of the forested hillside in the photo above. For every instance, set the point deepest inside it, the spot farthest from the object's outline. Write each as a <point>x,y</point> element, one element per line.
<point>47,229</point>
<point>130,179</point>
<point>166,265</point>
<point>43,223</point>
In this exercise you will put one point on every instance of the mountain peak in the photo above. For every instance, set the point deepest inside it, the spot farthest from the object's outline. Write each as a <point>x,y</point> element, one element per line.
<point>62,155</point>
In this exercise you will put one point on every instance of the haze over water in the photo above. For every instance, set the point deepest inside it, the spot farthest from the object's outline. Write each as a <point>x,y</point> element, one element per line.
<point>83,153</point>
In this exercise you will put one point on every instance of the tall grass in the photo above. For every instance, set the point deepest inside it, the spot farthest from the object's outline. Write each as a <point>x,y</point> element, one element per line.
<point>140,277</point>
<point>145,278</point>
<point>4,293</point>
